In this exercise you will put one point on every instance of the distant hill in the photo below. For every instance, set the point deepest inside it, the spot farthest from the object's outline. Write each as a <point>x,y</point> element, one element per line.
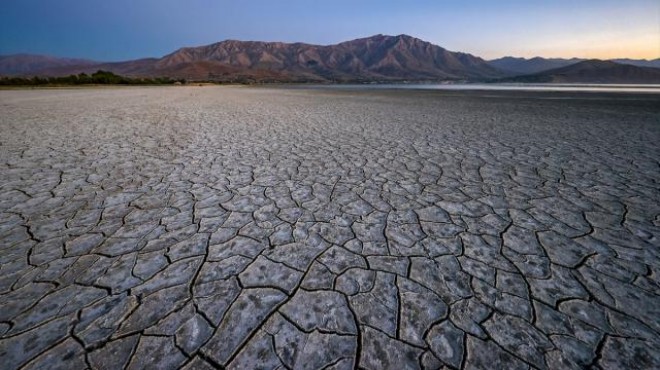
<point>20,64</point>
<point>134,68</point>
<point>376,58</point>
<point>654,63</point>
<point>521,66</point>
<point>593,71</point>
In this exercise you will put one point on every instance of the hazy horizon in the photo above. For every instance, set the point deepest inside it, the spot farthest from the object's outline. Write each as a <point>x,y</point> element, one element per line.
<point>123,30</point>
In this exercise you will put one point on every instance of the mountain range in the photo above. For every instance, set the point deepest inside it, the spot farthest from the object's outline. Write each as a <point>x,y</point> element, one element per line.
<point>379,58</point>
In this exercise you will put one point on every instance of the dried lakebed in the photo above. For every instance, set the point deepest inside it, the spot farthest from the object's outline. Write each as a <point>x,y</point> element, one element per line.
<point>211,227</point>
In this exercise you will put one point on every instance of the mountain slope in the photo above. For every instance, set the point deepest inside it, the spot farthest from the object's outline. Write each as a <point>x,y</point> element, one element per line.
<point>377,57</point>
<point>594,71</point>
<point>20,64</point>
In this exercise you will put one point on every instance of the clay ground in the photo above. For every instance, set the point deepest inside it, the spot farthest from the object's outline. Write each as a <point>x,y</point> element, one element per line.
<point>211,227</point>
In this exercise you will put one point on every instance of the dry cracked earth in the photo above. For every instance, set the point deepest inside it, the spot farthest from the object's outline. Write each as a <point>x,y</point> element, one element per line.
<point>245,228</point>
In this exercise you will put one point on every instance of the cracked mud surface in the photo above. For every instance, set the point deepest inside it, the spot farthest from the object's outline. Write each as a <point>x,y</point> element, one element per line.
<point>269,228</point>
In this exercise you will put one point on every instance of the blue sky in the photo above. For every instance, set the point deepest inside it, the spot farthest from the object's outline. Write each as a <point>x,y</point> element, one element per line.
<point>129,29</point>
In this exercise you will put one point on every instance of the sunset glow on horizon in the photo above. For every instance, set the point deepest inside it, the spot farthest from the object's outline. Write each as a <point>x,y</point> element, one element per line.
<point>641,46</point>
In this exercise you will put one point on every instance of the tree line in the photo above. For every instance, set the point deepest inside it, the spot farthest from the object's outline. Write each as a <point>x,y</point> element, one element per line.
<point>97,78</point>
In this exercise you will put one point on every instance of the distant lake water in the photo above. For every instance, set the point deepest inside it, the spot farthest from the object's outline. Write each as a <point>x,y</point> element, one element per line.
<point>617,88</point>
